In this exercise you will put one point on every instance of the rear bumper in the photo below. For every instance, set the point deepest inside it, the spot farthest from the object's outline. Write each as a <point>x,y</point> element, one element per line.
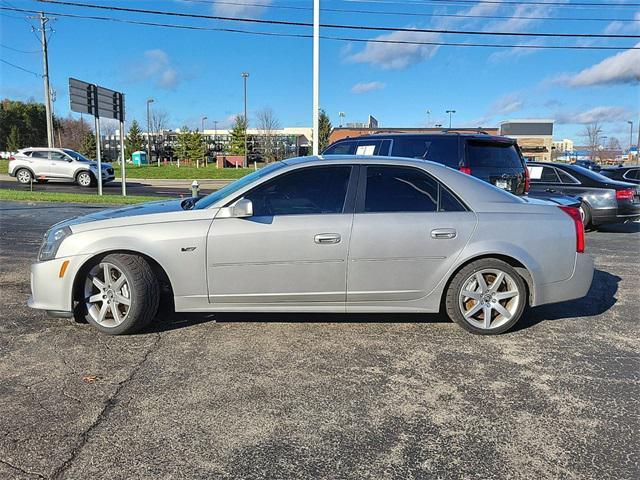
<point>601,216</point>
<point>574,287</point>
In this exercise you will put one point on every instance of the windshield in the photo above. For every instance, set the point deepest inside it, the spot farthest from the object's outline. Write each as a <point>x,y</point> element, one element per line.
<point>76,155</point>
<point>237,185</point>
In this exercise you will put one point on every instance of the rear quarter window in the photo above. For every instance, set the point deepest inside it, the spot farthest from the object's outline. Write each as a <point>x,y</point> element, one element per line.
<point>440,150</point>
<point>492,155</point>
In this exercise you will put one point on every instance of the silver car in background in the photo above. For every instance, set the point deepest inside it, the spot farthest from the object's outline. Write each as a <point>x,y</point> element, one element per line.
<point>327,234</point>
<point>43,164</point>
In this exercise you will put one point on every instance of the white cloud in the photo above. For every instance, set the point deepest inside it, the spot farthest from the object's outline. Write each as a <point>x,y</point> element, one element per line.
<point>603,114</point>
<point>514,53</point>
<point>624,67</point>
<point>367,87</point>
<point>157,66</point>
<point>624,27</point>
<point>508,103</point>
<point>242,8</point>
<point>396,56</point>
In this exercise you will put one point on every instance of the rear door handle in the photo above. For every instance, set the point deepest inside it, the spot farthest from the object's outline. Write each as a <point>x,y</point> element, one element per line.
<point>325,238</point>
<point>550,190</point>
<point>443,233</point>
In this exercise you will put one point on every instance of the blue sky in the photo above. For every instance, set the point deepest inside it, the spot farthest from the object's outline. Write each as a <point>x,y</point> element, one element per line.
<point>196,73</point>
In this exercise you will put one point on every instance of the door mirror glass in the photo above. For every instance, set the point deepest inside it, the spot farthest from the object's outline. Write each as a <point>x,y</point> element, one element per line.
<point>242,208</point>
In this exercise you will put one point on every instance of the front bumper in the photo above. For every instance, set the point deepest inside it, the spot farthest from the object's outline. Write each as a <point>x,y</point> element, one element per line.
<point>574,287</point>
<point>49,290</point>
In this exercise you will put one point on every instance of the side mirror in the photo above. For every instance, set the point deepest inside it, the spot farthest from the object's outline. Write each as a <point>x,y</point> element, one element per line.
<point>242,208</point>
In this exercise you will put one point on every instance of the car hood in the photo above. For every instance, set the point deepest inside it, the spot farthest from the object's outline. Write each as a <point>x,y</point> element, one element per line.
<point>117,215</point>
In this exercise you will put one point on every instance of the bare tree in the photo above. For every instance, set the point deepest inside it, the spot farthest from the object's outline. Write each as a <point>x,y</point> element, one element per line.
<point>72,132</point>
<point>592,133</point>
<point>108,128</point>
<point>159,120</point>
<point>268,123</point>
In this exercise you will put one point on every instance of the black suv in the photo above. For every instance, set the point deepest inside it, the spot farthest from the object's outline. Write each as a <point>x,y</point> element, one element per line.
<point>496,160</point>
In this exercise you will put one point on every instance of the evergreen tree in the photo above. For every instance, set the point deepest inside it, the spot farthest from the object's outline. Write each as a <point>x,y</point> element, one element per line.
<point>195,147</point>
<point>325,130</point>
<point>88,147</point>
<point>13,141</point>
<point>182,143</point>
<point>236,145</point>
<point>133,141</point>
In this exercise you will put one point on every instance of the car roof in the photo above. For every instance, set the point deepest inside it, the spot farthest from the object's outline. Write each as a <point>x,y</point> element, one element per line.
<point>474,136</point>
<point>39,149</point>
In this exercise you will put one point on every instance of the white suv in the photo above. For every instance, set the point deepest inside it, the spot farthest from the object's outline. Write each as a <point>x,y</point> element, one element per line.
<point>42,164</point>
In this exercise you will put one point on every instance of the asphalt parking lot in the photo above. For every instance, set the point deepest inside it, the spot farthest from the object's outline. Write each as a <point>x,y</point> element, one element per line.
<point>321,396</point>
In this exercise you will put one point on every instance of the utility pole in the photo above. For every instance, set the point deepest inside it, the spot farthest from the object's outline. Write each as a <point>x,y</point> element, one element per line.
<point>45,76</point>
<point>245,75</point>
<point>428,118</point>
<point>149,102</point>
<point>316,75</point>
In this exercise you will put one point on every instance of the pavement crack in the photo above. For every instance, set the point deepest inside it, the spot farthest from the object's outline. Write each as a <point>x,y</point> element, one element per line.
<point>22,470</point>
<point>109,404</point>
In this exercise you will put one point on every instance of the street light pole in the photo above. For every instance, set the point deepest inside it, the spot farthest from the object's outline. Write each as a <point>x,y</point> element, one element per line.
<point>630,122</point>
<point>245,75</point>
<point>316,77</point>
<point>450,112</point>
<point>341,115</point>
<point>204,152</point>
<point>149,102</point>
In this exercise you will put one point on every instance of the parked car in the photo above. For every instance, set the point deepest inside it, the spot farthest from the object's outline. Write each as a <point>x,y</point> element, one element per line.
<point>629,174</point>
<point>603,200</point>
<point>496,160</point>
<point>44,164</point>
<point>340,234</point>
<point>588,164</point>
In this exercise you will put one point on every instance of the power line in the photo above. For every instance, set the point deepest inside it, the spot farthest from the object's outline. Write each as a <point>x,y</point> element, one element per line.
<point>326,37</point>
<point>335,26</point>
<point>19,67</point>
<point>18,50</point>
<point>505,3</point>
<point>415,14</point>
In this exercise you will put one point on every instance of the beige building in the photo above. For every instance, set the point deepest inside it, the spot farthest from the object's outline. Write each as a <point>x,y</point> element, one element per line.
<point>534,137</point>
<point>564,145</point>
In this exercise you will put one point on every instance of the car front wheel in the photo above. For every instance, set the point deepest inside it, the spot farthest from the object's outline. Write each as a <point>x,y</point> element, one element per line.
<point>24,176</point>
<point>84,179</point>
<point>487,297</point>
<point>121,294</point>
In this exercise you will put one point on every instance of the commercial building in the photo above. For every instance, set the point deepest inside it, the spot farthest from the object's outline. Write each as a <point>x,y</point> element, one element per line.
<point>563,146</point>
<point>534,137</point>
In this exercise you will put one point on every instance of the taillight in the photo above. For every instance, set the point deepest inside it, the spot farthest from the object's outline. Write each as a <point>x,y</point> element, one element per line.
<point>625,194</point>
<point>466,170</point>
<point>527,180</point>
<point>574,213</point>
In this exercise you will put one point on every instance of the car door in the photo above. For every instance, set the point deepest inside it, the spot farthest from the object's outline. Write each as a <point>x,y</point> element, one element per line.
<point>59,165</point>
<point>40,163</point>
<point>408,230</point>
<point>294,247</point>
<point>544,180</point>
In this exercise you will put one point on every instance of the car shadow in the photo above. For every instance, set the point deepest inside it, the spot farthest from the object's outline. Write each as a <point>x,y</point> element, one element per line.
<point>599,299</point>
<point>629,227</point>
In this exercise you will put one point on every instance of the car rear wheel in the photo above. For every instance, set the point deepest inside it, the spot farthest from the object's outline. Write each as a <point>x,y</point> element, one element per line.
<point>585,214</point>
<point>121,294</point>
<point>24,176</point>
<point>84,179</point>
<point>487,297</point>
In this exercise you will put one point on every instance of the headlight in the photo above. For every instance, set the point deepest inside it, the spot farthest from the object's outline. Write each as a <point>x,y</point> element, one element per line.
<point>52,240</point>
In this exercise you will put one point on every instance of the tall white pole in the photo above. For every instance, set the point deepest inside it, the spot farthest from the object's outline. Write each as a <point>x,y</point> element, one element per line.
<point>316,79</point>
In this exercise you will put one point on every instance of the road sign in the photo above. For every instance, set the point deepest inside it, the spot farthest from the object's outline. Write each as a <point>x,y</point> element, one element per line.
<point>98,101</point>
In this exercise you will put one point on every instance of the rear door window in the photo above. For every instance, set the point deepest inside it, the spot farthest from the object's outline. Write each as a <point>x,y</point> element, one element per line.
<point>492,155</point>
<point>40,155</point>
<point>410,147</point>
<point>565,177</point>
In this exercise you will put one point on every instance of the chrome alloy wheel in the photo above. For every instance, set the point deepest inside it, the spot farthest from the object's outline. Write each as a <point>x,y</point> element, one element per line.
<point>84,179</point>
<point>24,176</point>
<point>107,295</point>
<point>489,298</point>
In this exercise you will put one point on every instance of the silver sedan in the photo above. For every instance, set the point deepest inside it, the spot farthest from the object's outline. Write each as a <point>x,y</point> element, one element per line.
<point>327,234</point>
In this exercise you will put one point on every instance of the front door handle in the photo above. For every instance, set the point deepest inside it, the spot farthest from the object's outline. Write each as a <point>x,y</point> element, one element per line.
<point>325,238</point>
<point>443,233</point>
<point>550,190</point>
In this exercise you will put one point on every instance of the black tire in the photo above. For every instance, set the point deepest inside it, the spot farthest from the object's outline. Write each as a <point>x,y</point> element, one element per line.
<point>24,176</point>
<point>81,179</point>
<point>452,301</point>
<point>42,180</point>
<point>144,294</point>
<point>585,211</point>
